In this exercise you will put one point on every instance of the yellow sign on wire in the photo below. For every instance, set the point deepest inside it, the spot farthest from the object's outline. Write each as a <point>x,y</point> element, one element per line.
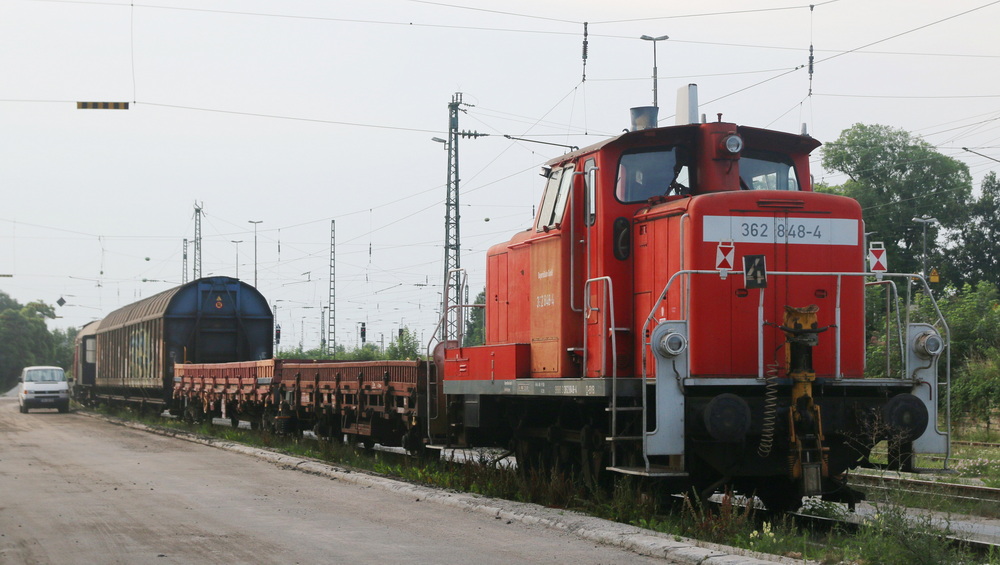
<point>102,105</point>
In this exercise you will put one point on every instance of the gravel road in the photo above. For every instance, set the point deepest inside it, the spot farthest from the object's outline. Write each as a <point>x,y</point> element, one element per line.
<point>76,489</point>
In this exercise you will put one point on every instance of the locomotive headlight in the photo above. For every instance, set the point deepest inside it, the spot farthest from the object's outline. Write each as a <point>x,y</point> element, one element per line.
<point>928,345</point>
<point>672,344</point>
<point>732,144</point>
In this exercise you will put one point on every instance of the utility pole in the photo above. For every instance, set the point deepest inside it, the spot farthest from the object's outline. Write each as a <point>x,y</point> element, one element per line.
<point>197,240</point>
<point>184,264</point>
<point>322,335</point>
<point>255,222</point>
<point>237,242</point>
<point>654,40</point>
<point>451,297</point>
<point>332,321</point>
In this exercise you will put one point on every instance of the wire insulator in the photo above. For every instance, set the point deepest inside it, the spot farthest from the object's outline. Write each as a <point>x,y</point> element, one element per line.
<point>585,51</point>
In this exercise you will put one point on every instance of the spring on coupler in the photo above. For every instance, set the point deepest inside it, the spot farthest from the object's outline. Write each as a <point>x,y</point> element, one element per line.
<point>770,411</point>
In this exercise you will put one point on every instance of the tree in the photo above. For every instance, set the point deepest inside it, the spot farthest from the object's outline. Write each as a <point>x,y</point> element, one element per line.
<point>475,325</point>
<point>406,346</point>
<point>896,177</point>
<point>63,342</point>
<point>974,255</point>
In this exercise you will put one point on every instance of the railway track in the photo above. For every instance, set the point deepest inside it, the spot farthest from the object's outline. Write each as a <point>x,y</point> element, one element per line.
<point>958,491</point>
<point>976,444</point>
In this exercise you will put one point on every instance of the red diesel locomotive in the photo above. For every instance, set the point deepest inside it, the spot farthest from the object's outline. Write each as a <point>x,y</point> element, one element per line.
<point>685,306</point>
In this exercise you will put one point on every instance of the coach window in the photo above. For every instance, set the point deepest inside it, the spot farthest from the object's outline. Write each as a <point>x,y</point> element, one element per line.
<point>645,175</point>
<point>554,200</point>
<point>90,350</point>
<point>767,170</point>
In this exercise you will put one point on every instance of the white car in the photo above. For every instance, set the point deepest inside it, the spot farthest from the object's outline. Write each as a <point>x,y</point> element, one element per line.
<point>43,387</point>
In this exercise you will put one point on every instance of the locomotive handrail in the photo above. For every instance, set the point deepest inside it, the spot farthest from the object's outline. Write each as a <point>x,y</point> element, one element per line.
<point>609,302</point>
<point>683,274</point>
<point>894,292</point>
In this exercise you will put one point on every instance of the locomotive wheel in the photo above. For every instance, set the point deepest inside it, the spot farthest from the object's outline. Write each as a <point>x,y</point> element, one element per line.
<point>779,495</point>
<point>529,457</point>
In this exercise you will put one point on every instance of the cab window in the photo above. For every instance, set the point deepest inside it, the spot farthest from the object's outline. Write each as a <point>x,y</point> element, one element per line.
<point>554,200</point>
<point>659,172</point>
<point>767,170</point>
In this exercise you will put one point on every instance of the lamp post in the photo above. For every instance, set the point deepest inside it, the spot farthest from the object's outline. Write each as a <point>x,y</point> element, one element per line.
<point>237,242</point>
<point>925,219</point>
<point>255,222</point>
<point>654,40</point>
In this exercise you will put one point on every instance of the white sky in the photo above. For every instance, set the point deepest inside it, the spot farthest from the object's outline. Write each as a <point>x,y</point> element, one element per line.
<point>296,113</point>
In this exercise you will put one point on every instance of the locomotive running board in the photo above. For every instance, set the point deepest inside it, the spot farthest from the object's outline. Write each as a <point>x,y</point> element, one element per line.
<point>653,471</point>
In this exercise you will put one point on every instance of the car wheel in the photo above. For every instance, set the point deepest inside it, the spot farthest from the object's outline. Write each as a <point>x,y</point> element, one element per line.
<point>24,409</point>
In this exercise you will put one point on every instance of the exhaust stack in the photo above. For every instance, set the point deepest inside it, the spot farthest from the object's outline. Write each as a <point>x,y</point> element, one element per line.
<point>687,105</point>
<point>644,117</point>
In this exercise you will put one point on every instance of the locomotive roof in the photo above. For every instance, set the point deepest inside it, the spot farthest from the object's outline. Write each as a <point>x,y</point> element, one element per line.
<point>778,140</point>
<point>159,305</point>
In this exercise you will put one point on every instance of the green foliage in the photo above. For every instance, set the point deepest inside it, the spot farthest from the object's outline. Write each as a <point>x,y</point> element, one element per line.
<point>62,347</point>
<point>973,316</point>
<point>976,389</point>
<point>895,177</point>
<point>405,346</point>
<point>475,325</point>
<point>25,339</point>
<point>975,244</point>
<point>892,537</point>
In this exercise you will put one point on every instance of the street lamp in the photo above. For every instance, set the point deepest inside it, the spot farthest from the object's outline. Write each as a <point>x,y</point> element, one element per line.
<point>237,242</point>
<point>654,40</point>
<point>255,222</point>
<point>925,219</point>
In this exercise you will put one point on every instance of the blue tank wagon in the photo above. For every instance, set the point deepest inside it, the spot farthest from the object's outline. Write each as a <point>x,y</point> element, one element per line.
<point>210,320</point>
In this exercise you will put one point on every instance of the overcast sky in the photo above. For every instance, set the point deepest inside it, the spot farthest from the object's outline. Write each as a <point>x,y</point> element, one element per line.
<point>299,113</point>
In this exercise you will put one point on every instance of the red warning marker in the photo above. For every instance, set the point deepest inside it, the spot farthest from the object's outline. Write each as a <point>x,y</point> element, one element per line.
<point>877,260</point>
<point>725,256</point>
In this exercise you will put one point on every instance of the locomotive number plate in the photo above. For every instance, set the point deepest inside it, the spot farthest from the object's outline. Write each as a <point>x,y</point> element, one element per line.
<point>769,229</point>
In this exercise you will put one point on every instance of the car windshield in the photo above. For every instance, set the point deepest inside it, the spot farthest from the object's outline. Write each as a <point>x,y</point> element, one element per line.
<point>44,376</point>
